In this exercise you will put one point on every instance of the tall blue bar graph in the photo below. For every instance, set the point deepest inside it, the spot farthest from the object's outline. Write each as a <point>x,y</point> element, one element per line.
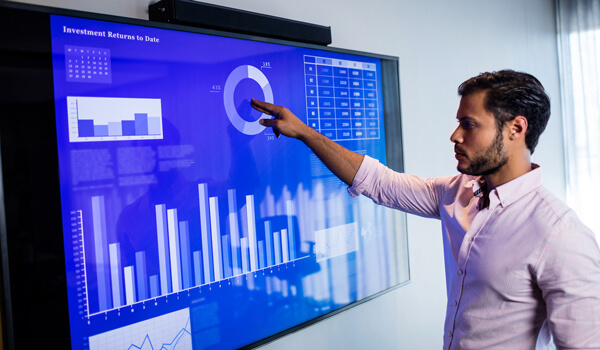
<point>250,215</point>
<point>130,293</point>
<point>215,231</point>
<point>261,254</point>
<point>269,240</point>
<point>197,268</point>
<point>116,274</point>
<point>234,232</point>
<point>154,289</point>
<point>101,253</point>
<point>186,262</point>
<point>277,247</point>
<point>205,232</point>
<point>141,275</point>
<point>285,252</point>
<point>163,253</point>
<point>290,225</point>
<point>226,247</point>
<point>174,250</point>
<point>245,255</point>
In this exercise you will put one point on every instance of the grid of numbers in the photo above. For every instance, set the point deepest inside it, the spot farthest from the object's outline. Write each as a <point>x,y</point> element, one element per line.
<point>341,98</point>
<point>88,64</point>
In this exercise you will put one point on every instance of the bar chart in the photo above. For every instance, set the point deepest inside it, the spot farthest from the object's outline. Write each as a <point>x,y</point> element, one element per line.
<point>113,119</point>
<point>244,244</point>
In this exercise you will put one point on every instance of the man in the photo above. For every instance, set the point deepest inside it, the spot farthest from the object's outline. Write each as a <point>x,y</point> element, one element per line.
<point>523,266</point>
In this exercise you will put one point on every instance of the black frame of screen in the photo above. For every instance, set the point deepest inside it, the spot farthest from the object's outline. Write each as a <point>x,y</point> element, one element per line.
<point>34,294</point>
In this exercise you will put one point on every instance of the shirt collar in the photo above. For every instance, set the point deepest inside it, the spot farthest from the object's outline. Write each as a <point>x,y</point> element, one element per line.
<point>513,190</point>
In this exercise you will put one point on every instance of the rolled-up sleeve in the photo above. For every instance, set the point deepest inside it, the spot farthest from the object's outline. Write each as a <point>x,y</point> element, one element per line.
<point>368,170</point>
<point>408,193</point>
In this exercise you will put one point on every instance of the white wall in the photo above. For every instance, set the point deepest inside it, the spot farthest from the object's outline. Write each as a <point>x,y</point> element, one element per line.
<point>440,44</point>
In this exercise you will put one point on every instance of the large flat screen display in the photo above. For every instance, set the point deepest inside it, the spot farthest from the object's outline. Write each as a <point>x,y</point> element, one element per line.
<point>185,223</point>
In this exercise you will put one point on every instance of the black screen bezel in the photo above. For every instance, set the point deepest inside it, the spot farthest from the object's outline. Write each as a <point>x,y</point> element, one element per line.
<point>34,293</point>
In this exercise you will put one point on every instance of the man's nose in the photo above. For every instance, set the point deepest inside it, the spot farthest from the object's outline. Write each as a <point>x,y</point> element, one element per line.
<point>456,136</point>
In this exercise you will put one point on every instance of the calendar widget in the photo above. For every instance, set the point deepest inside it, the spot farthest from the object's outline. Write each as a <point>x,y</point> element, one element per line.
<point>88,64</point>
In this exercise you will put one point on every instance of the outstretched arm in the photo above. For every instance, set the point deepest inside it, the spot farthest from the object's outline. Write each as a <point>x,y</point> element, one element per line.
<point>341,161</point>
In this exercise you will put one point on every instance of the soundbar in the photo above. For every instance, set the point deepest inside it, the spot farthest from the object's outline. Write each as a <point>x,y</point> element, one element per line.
<point>227,19</point>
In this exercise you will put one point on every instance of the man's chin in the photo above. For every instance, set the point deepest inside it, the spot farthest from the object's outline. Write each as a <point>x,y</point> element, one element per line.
<point>466,171</point>
<point>462,169</point>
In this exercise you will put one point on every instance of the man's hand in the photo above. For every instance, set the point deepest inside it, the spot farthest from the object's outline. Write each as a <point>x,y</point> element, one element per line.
<point>341,161</point>
<point>283,122</point>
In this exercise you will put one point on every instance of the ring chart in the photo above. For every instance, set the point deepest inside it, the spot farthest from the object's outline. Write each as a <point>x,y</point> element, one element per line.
<point>234,78</point>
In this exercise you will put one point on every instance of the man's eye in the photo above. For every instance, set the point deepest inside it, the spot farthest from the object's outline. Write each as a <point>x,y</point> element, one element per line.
<point>467,124</point>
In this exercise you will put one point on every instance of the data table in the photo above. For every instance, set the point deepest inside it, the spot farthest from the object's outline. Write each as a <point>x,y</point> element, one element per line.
<point>341,98</point>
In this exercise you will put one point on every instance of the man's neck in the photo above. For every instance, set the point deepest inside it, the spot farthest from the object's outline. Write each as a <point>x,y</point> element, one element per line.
<point>509,172</point>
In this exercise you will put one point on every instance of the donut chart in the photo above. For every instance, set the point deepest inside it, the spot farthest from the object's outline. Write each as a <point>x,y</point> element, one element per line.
<point>237,75</point>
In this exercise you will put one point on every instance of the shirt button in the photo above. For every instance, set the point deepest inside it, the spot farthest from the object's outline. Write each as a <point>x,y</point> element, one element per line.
<point>460,272</point>
<point>470,239</point>
<point>449,333</point>
<point>455,303</point>
<point>504,202</point>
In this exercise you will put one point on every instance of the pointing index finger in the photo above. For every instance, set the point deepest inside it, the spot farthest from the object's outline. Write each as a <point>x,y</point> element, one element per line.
<point>262,107</point>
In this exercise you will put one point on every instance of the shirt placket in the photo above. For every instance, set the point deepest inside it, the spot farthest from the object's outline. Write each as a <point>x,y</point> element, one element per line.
<point>457,291</point>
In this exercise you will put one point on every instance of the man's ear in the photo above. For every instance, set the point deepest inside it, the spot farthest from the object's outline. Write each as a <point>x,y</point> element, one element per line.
<point>518,128</point>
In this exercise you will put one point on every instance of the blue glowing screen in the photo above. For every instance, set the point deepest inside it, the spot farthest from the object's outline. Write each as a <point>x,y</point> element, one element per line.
<point>188,225</point>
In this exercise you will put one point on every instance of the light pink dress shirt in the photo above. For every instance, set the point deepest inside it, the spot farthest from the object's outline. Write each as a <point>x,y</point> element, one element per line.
<point>518,270</point>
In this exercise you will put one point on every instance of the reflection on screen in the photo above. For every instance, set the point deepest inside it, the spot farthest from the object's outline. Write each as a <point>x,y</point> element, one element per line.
<point>187,223</point>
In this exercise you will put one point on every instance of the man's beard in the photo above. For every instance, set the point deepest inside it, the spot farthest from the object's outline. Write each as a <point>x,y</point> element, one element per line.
<point>490,161</point>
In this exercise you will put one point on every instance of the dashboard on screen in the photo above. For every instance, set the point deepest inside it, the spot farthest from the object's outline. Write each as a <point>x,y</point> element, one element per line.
<point>185,223</point>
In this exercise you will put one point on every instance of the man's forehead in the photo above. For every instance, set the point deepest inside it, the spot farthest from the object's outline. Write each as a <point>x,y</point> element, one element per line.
<point>472,105</point>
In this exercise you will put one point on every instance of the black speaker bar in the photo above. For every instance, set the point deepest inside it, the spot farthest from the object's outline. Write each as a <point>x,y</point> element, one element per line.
<point>227,19</point>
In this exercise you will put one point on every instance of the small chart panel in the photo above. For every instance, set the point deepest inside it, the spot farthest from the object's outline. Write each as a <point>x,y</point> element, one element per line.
<point>336,241</point>
<point>170,331</point>
<point>114,119</point>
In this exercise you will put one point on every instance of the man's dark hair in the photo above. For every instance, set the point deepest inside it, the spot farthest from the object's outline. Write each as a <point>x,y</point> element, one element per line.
<point>511,94</point>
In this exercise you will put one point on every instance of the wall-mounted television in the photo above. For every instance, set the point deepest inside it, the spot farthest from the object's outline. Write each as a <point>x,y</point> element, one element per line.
<point>144,207</point>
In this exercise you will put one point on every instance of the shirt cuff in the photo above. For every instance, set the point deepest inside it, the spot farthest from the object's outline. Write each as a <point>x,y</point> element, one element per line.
<point>365,172</point>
